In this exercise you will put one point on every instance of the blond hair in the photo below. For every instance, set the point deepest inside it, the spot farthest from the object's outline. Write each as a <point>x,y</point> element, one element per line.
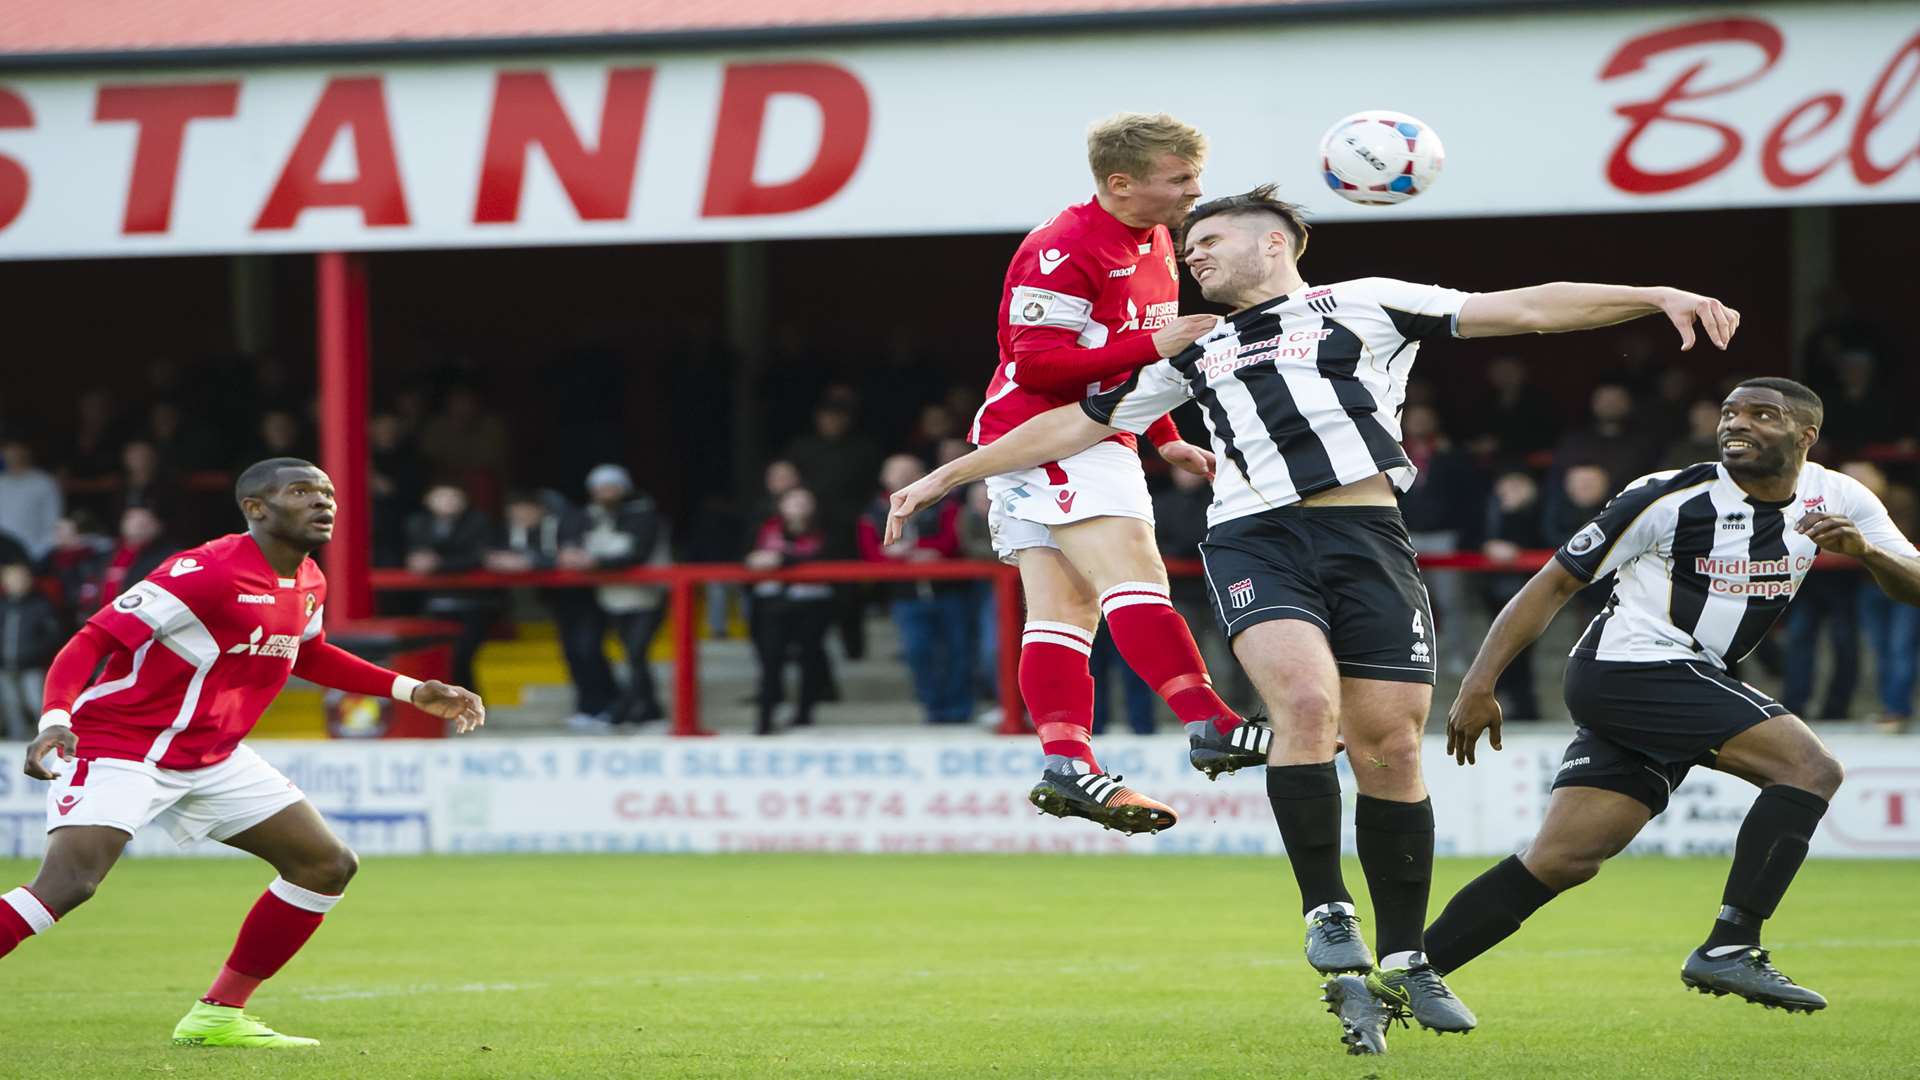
<point>1130,143</point>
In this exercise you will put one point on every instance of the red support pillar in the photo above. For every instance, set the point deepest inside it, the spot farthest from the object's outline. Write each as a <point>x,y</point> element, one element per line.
<point>344,385</point>
<point>1006,594</point>
<point>686,658</point>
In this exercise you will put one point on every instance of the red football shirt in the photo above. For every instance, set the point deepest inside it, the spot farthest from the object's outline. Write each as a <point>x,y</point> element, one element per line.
<point>212,635</point>
<point>1083,296</point>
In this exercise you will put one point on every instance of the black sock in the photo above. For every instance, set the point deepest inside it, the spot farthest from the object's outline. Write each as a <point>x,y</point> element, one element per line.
<point>1306,806</point>
<point>1395,841</point>
<point>1772,845</point>
<point>1485,913</point>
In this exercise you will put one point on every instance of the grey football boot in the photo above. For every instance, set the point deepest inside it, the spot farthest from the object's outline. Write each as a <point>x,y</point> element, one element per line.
<point>1418,991</point>
<point>1333,941</point>
<point>1364,1018</point>
<point>1748,973</point>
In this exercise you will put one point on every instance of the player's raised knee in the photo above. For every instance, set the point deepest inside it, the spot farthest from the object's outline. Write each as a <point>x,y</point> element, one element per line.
<point>346,864</point>
<point>1561,867</point>
<point>1822,774</point>
<point>62,891</point>
<point>329,873</point>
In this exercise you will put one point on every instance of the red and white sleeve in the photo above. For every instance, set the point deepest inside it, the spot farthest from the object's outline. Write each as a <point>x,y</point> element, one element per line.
<point>72,669</point>
<point>323,663</point>
<point>1048,314</point>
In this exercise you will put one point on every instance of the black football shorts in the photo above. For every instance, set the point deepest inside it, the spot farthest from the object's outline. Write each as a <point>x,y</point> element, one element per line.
<point>1643,726</point>
<point>1349,570</point>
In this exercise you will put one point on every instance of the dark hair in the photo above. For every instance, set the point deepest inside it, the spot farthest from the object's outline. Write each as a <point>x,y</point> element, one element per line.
<point>1264,199</point>
<point>258,481</point>
<point>1800,397</point>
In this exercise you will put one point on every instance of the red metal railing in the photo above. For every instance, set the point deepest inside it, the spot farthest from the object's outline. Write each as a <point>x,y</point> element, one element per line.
<point>682,579</point>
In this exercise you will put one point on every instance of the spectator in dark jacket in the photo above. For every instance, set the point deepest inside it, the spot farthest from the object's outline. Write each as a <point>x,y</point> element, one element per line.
<point>30,633</point>
<point>1584,489</point>
<point>1702,442</point>
<point>395,483</point>
<point>184,447</point>
<point>1512,526</point>
<point>147,481</point>
<point>934,617</point>
<point>1581,495</point>
<point>1613,440</point>
<point>539,526</point>
<point>451,537</point>
<point>790,619</point>
<point>622,528</point>
<point>1516,418</point>
<point>837,462</point>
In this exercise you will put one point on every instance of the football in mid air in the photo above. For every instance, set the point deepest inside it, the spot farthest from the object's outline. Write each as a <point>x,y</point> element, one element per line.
<point>1378,157</point>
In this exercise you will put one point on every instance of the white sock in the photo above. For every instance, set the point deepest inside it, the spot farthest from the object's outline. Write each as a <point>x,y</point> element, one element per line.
<point>31,911</point>
<point>1327,909</point>
<point>1719,951</point>
<point>1401,960</point>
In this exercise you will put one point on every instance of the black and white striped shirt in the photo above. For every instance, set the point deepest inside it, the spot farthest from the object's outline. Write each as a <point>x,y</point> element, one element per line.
<point>1705,569</point>
<point>1300,394</point>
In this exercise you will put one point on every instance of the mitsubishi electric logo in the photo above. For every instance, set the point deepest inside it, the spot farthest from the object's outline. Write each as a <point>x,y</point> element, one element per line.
<point>284,646</point>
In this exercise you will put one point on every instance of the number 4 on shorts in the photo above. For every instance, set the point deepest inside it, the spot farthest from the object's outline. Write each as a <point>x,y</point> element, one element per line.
<point>1419,625</point>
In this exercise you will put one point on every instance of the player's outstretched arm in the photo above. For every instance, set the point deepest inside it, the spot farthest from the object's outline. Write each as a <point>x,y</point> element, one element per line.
<point>322,662</point>
<point>1055,434</point>
<point>1518,625</point>
<point>1567,305</point>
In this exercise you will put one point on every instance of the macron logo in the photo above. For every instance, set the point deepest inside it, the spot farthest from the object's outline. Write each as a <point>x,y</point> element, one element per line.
<point>1051,259</point>
<point>1065,499</point>
<point>185,566</point>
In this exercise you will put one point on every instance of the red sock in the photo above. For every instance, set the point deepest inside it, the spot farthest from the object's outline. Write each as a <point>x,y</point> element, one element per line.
<point>281,921</point>
<point>1156,644</point>
<point>1058,689</point>
<point>22,915</point>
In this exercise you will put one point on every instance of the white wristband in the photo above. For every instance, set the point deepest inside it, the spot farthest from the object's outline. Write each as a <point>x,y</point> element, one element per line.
<point>56,718</point>
<point>403,688</point>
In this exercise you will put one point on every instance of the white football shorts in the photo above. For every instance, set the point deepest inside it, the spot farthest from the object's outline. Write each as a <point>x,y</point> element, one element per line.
<point>1104,480</point>
<point>214,803</point>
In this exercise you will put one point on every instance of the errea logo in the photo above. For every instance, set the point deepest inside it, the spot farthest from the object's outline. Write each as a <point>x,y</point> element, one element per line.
<point>284,646</point>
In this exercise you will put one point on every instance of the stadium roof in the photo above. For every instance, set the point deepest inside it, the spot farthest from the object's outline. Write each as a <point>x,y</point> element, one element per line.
<point>94,33</point>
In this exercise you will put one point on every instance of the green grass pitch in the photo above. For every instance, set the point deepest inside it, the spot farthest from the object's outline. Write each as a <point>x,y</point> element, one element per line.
<point>921,966</point>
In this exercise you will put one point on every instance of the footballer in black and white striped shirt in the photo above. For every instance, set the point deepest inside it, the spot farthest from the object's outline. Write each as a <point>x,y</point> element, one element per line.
<point>1311,571</point>
<point>1704,559</point>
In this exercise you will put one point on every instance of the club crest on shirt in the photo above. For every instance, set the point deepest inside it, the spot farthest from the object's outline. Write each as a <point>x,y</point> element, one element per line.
<point>312,603</point>
<point>1586,539</point>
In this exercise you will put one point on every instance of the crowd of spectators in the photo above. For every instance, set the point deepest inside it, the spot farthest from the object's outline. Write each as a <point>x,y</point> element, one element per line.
<point>1500,472</point>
